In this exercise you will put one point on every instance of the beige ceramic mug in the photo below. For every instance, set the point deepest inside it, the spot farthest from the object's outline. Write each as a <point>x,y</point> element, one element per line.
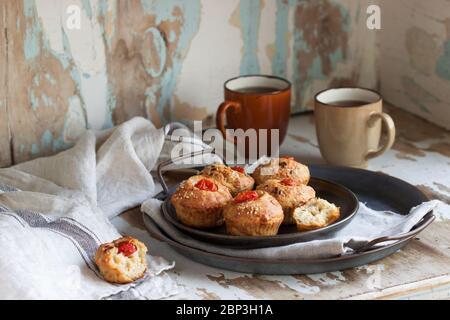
<point>349,125</point>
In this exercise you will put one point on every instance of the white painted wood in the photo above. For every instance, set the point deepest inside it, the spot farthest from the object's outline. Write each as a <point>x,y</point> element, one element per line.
<point>413,44</point>
<point>429,289</point>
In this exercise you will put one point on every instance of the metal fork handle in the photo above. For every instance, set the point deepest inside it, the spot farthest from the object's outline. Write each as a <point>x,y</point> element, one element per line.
<point>419,227</point>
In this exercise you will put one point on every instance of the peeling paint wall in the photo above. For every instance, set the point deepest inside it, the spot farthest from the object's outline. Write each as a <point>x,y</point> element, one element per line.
<point>162,59</point>
<point>5,151</point>
<point>414,57</point>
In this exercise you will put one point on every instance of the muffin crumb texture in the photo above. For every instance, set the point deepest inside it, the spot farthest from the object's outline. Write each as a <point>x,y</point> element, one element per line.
<point>316,213</point>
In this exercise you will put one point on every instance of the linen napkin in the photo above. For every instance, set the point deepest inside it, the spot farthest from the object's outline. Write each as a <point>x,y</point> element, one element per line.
<point>55,211</point>
<point>367,225</point>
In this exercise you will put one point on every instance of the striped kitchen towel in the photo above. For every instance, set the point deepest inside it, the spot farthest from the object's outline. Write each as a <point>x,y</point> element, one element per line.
<point>55,211</point>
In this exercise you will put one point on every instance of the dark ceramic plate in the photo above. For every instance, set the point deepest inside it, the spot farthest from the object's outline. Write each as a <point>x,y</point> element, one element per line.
<point>379,191</point>
<point>332,192</point>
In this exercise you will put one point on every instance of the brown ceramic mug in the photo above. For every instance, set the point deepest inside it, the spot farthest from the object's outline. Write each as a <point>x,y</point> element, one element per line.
<point>256,102</point>
<point>349,123</point>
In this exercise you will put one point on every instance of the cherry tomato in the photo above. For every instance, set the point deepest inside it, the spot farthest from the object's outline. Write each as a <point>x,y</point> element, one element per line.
<point>238,169</point>
<point>288,182</point>
<point>246,196</point>
<point>127,248</point>
<point>206,185</point>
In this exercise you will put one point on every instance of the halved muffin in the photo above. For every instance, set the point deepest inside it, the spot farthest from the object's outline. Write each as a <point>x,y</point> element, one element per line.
<point>122,261</point>
<point>199,202</point>
<point>234,178</point>
<point>289,194</point>
<point>282,168</point>
<point>315,214</point>
<point>253,213</point>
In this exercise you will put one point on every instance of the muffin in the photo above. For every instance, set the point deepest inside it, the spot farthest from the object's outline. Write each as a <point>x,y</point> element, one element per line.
<point>289,194</point>
<point>253,213</point>
<point>282,168</point>
<point>234,178</point>
<point>122,261</point>
<point>315,214</point>
<point>199,202</point>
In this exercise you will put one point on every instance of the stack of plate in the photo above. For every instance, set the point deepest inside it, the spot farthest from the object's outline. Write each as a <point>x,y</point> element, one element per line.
<point>379,191</point>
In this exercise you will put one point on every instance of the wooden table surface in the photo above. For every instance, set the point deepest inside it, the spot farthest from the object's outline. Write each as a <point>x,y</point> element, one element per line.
<point>421,270</point>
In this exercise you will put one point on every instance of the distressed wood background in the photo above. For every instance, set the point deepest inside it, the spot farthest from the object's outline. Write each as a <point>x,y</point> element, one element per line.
<point>167,60</point>
<point>414,57</point>
<point>5,152</point>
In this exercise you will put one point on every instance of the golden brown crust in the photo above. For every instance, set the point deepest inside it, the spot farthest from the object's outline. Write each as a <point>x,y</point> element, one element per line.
<point>316,214</point>
<point>261,217</point>
<point>234,180</point>
<point>281,168</point>
<point>116,267</point>
<point>200,208</point>
<point>289,196</point>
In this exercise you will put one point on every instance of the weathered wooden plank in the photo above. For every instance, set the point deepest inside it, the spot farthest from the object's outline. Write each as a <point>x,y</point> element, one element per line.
<point>165,60</point>
<point>414,57</point>
<point>41,88</point>
<point>147,50</point>
<point>5,151</point>
<point>429,289</point>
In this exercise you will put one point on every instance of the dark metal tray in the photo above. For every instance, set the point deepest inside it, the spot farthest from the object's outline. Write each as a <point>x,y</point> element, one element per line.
<point>379,191</point>
<point>332,192</point>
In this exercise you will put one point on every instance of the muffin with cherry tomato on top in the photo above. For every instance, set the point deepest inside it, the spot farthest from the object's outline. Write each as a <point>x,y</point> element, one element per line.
<point>122,261</point>
<point>234,178</point>
<point>199,202</point>
<point>253,213</point>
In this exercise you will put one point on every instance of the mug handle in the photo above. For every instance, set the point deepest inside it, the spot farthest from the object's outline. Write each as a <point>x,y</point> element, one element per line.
<point>390,126</point>
<point>220,116</point>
